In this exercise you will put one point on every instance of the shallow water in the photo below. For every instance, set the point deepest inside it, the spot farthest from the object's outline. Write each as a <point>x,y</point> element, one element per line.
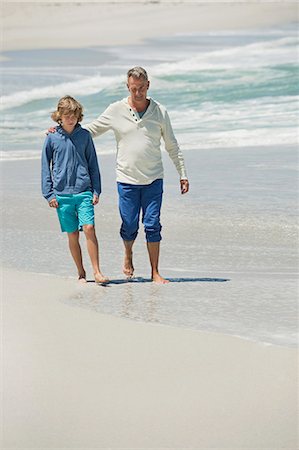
<point>229,250</point>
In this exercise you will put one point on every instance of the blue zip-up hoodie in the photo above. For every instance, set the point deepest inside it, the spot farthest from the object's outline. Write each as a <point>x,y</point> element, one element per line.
<point>69,164</point>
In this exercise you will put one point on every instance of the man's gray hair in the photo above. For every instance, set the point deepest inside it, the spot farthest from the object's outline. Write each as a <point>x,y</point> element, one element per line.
<point>137,72</point>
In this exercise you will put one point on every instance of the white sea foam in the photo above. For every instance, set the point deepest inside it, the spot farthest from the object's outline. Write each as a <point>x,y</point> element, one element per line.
<point>18,155</point>
<point>258,32</point>
<point>235,96</point>
<point>240,124</point>
<point>256,55</point>
<point>235,139</point>
<point>85,86</point>
<point>278,51</point>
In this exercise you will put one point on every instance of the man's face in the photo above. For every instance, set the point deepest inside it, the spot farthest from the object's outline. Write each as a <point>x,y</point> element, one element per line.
<point>138,88</point>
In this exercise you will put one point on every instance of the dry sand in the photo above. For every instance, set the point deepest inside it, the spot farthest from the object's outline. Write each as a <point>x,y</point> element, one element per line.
<point>77,379</point>
<point>31,25</point>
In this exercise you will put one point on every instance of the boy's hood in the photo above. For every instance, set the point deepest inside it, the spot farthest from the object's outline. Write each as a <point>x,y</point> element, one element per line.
<point>60,130</point>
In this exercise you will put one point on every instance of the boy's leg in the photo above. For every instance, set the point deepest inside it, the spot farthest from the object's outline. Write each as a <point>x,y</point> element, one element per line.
<point>129,208</point>
<point>76,253</point>
<point>93,251</point>
<point>85,211</point>
<point>151,208</point>
<point>68,219</point>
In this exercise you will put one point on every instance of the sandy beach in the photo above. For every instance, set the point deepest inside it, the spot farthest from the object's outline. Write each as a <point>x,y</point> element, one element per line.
<point>75,375</point>
<point>75,379</point>
<point>43,25</point>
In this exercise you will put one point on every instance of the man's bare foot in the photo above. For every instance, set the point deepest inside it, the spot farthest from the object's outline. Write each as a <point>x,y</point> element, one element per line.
<point>82,277</point>
<point>128,271</point>
<point>100,278</point>
<point>159,280</point>
<point>128,268</point>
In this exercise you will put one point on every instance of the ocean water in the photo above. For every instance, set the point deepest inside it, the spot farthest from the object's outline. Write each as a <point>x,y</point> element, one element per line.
<point>230,246</point>
<point>229,89</point>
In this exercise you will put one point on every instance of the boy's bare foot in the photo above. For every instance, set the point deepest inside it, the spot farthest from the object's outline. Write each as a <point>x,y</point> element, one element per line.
<point>128,268</point>
<point>82,277</point>
<point>100,278</point>
<point>159,280</point>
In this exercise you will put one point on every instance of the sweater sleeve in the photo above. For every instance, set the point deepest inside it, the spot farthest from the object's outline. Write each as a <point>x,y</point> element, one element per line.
<point>93,167</point>
<point>46,178</point>
<point>172,147</point>
<point>101,124</point>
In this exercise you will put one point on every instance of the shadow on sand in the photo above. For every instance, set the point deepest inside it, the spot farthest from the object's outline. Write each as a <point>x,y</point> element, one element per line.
<point>172,280</point>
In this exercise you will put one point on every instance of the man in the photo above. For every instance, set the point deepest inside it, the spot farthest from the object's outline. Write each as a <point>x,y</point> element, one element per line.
<point>139,123</point>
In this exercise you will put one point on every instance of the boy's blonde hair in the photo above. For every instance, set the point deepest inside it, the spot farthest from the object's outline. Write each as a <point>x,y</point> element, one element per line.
<point>67,105</point>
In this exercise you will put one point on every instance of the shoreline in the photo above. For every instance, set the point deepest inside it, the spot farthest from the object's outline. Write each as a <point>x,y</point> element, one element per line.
<point>239,306</point>
<point>43,26</point>
<point>6,158</point>
<point>75,366</point>
<point>71,282</point>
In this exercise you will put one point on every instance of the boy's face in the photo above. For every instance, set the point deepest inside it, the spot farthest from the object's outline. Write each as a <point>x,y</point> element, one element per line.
<point>69,121</point>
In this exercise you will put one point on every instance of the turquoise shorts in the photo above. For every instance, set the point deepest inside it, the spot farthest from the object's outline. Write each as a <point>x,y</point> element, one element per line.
<point>75,210</point>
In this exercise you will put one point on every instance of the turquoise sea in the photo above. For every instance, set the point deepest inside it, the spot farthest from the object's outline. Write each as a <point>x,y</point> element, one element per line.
<point>223,90</point>
<point>231,245</point>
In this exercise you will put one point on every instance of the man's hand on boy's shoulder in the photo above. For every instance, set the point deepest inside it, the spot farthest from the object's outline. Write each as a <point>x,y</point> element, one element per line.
<point>95,200</point>
<point>51,130</point>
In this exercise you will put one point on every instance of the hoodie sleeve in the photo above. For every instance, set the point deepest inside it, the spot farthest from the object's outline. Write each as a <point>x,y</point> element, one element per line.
<point>46,178</point>
<point>172,146</point>
<point>93,167</point>
<point>101,124</point>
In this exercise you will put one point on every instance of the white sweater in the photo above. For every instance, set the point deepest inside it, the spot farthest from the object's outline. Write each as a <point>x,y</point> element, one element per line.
<point>139,159</point>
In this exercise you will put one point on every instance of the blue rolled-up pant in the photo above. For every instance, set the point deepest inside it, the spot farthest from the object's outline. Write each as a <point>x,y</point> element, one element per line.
<point>136,198</point>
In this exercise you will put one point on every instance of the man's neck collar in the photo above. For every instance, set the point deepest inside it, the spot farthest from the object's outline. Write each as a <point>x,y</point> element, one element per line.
<point>141,107</point>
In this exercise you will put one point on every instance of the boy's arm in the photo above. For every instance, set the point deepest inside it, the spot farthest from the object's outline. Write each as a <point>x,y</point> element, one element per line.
<point>101,124</point>
<point>46,178</point>
<point>93,167</point>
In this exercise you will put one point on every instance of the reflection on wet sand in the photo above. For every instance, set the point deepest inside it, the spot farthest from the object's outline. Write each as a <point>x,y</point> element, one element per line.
<point>142,300</point>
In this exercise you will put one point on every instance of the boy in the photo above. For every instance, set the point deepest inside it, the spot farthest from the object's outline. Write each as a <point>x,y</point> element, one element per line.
<point>71,182</point>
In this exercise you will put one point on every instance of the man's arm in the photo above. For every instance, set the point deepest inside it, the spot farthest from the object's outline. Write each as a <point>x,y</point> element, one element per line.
<point>100,125</point>
<point>174,152</point>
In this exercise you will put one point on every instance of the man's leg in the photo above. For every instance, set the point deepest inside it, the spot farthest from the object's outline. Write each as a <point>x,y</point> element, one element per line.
<point>128,268</point>
<point>93,251</point>
<point>129,208</point>
<point>76,253</point>
<point>151,206</point>
<point>154,251</point>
